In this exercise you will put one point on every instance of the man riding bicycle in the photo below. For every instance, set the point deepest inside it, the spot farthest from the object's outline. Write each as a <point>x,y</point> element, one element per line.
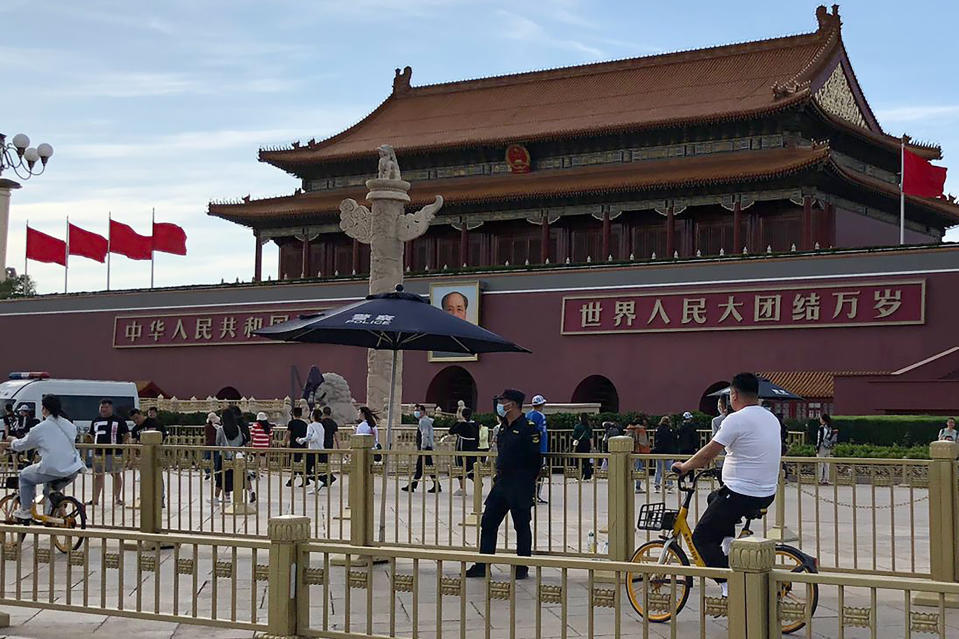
<point>55,439</point>
<point>750,472</point>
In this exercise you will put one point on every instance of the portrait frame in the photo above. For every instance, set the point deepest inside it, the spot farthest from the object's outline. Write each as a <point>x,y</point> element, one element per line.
<point>471,293</point>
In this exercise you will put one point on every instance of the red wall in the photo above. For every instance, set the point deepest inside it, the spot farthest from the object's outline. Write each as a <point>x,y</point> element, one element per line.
<point>654,372</point>
<point>854,229</point>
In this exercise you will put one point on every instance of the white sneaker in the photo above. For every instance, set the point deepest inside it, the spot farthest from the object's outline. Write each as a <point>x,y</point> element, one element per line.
<point>459,493</point>
<point>19,513</point>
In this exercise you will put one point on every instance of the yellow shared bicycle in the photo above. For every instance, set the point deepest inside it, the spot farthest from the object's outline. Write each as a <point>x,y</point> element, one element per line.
<point>666,594</point>
<point>65,512</point>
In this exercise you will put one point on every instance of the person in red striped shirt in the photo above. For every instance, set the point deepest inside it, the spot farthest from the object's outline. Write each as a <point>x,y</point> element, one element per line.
<point>260,431</point>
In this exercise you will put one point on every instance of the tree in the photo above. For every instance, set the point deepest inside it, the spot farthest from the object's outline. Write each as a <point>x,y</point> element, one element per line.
<point>17,286</point>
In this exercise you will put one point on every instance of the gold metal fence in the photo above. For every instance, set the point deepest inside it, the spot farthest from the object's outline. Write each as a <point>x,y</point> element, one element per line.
<point>289,584</point>
<point>236,491</point>
<point>408,592</point>
<point>182,578</point>
<point>867,606</point>
<point>878,516</point>
<point>856,514</point>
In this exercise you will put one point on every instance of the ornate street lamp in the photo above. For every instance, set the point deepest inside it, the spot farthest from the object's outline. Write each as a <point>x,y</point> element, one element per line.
<point>21,157</point>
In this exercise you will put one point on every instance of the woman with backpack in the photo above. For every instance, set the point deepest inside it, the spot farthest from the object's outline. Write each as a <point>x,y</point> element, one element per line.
<point>228,435</point>
<point>826,438</point>
<point>583,443</point>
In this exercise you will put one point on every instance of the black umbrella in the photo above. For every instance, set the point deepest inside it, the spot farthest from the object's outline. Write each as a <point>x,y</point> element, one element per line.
<point>391,321</point>
<point>767,390</point>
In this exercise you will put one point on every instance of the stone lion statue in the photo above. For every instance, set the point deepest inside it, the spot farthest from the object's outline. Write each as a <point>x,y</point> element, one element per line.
<point>334,391</point>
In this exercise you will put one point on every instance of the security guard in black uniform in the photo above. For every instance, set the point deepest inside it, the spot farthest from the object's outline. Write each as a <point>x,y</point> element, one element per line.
<point>518,462</point>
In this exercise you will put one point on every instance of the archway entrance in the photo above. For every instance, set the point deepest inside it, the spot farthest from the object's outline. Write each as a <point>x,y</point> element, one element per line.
<point>451,385</point>
<point>597,388</point>
<point>707,404</point>
<point>228,392</point>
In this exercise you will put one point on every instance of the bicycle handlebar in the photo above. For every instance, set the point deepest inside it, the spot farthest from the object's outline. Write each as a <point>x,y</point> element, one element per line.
<point>687,481</point>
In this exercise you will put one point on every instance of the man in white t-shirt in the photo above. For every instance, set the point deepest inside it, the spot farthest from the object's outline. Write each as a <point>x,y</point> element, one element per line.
<point>751,437</point>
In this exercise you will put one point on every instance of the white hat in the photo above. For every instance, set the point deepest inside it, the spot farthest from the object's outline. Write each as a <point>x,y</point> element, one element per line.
<point>538,400</point>
<point>213,418</point>
<point>687,415</point>
<point>262,417</point>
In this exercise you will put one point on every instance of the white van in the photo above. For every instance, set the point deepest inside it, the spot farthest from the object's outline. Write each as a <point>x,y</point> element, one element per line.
<point>80,398</point>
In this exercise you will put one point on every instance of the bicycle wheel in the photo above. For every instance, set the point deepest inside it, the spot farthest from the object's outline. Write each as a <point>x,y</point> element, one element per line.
<point>665,594</point>
<point>9,505</point>
<point>796,601</point>
<point>74,515</point>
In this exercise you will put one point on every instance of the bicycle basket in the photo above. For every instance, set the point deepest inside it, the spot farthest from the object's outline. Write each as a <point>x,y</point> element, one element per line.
<point>656,517</point>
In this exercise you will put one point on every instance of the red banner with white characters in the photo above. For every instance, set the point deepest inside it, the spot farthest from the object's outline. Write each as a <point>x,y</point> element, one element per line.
<point>812,306</point>
<point>197,329</point>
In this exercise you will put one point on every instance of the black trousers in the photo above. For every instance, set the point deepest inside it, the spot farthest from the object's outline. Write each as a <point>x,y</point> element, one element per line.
<point>726,508</point>
<point>513,496</point>
<point>585,463</point>
<point>419,466</point>
<point>324,458</point>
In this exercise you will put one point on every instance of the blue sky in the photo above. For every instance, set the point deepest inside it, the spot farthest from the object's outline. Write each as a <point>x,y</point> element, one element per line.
<point>164,104</point>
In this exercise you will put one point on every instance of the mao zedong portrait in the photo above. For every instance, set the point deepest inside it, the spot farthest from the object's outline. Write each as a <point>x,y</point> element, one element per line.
<point>455,303</point>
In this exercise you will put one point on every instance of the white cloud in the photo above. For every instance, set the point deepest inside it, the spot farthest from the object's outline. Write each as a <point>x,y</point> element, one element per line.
<point>522,29</point>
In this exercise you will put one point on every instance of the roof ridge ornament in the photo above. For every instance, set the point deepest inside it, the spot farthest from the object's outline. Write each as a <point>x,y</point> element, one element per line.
<point>828,20</point>
<point>401,81</point>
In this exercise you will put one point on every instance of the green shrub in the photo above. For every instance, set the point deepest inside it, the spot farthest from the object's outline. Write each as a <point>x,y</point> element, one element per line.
<point>864,451</point>
<point>887,430</point>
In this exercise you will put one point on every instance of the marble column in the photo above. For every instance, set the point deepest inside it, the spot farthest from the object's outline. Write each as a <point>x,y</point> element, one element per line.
<point>5,187</point>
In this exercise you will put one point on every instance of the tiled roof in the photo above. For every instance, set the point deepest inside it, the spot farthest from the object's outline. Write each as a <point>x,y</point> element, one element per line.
<point>810,384</point>
<point>700,86</point>
<point>647,175</point>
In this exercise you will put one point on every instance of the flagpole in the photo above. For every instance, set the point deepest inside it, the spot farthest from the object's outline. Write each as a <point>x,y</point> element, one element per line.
<point>152,222</point>
<point>109,221</point>
<point>902,192</point>
<point>66,256</point>
<point>26,255</point>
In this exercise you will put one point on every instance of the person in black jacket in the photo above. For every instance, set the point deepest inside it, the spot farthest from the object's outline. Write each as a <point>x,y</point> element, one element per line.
<point>518,462</point>
<point>467,432</point>
<point>663,444</point>
<point>687,440</point>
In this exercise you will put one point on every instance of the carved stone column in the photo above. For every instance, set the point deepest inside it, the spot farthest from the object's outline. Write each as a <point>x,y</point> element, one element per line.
<point>385,227</point>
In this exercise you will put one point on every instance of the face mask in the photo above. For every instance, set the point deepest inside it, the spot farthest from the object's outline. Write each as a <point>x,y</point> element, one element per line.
<point>501,410</point>
<point>417,414</point>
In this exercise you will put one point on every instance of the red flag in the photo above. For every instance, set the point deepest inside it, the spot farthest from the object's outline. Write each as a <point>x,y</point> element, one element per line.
<point>169,238</point>
<point>921,178</point>
<point>125,241</point>
<point>87,244</point>
<point>45,248</point>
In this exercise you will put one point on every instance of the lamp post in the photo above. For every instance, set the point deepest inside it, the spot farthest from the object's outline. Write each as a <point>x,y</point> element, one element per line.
<point>22,159</point>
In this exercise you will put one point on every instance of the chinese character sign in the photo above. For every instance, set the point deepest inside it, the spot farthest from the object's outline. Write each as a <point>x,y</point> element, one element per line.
<point>829,305</point>
<point>221,328</point>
